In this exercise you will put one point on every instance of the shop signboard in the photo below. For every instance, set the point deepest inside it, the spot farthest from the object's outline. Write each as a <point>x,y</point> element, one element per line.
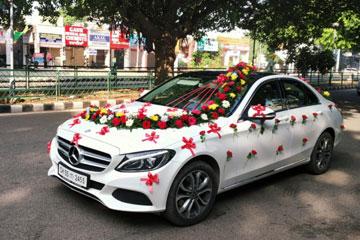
<point>50,40</point>
<point>118,40</point>
<point>208,45</point>
<point>39,57</point>
<point>76,36</point>
<point>134,41</point>
<point>99,39</point>
<point>92,52</point>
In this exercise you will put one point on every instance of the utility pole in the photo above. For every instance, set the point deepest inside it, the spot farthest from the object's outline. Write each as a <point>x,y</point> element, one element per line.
<point>11,38</point>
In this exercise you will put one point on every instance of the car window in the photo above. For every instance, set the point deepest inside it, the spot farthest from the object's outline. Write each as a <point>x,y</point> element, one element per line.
<point>311,98</point>
<point>268,95</point>
<point>294,92</point>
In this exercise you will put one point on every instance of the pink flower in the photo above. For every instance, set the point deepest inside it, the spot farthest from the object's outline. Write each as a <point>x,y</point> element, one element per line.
<point>196,112</point>
<point>192,121</point>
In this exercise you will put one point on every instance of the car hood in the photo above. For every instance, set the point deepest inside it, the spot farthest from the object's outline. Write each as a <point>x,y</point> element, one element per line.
<point>137,139</point>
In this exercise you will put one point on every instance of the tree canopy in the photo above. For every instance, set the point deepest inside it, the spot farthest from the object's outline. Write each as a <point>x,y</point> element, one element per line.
<point>21,8</point>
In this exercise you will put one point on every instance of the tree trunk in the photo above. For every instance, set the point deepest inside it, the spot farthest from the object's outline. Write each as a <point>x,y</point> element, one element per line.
<point>164,59</point>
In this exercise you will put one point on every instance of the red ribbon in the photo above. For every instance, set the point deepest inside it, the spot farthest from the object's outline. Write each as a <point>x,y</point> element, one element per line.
<point>76,121</point>
<point>189,145</point>
<point>104,130</point>
<point>48,147</point>
<point>259,110</point>
<point>76,139</point>
<point>150,180</point>
<point>172,109</point>
<point>151,137</point>
<point>215,129</point>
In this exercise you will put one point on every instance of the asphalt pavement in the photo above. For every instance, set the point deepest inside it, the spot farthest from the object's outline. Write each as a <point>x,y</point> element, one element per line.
<point>290,205</point>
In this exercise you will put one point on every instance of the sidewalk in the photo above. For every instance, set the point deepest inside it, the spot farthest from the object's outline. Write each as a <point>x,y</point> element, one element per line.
<point>40,107</point>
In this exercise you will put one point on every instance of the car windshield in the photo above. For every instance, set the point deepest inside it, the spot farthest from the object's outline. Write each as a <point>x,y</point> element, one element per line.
<point>188,91</point>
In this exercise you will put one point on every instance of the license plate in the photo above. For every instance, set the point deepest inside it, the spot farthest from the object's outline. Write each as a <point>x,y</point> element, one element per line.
<point>75,177</point>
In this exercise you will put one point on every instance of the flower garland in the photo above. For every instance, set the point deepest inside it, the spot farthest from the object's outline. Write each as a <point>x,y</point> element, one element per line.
<point>229,87</point>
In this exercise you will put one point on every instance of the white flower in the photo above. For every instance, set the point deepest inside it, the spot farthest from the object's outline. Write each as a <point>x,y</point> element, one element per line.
<point>110,117</point>
<point>129,122</point>
<point>103,119</point>
<point>164,118</point>
<point>204,117</point>
<point>185,113</point>
<point>225,104</point>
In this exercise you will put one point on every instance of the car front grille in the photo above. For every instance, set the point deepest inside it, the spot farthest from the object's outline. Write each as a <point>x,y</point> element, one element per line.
<point>92,160</point>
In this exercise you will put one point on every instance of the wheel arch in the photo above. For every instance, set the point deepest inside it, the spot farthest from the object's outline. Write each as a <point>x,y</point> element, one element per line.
<point>331,131</point>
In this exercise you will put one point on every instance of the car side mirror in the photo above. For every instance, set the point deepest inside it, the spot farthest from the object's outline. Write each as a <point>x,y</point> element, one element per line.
<point>258,112</point>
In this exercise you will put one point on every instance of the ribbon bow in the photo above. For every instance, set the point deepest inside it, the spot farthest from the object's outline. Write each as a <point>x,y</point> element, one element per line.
<point>172,109</point>
<point>150,180</point>
<point>259,110</point>
<point>76,121</point>
<point>189,145</point>
<point>151,137</point>
<point>76,139</point>
<point>104,130</point>
<point>215,129</point>
<point>48,147</point>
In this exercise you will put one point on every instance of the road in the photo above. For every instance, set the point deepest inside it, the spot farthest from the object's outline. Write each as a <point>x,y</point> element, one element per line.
<point>290,205</point>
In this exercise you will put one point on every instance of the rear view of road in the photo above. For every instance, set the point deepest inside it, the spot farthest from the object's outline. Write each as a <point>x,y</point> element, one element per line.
<point>291,205</point>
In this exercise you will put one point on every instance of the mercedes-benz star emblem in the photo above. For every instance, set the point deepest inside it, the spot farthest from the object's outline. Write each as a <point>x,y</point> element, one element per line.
<point>74,156</point>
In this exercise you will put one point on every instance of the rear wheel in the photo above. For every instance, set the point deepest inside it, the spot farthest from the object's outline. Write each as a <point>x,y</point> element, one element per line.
<point>192,194</point>
<point>321,155</point>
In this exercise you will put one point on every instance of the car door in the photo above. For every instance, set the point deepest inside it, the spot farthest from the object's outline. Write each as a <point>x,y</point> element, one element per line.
<point>266,143</point>
<point>303,104</point>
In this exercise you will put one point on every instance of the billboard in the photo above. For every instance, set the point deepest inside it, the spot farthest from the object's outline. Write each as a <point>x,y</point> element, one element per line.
<point>208,44</point>
<point>76,36</point>
<point>99,39</point>
<point>50,40</point>
<point>118,40</point>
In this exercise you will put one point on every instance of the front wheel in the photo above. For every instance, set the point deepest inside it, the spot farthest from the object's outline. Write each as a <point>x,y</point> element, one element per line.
<point>192,194</point>
<point>321,155</point>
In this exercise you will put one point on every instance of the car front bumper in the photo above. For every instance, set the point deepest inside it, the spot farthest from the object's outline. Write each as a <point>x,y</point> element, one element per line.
<point>119,190</point>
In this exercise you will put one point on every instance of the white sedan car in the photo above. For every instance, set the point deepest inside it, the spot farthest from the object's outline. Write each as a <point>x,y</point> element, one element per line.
<point>199,134</point>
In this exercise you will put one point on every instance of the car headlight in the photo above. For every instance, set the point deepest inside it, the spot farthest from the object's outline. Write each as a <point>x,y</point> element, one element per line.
<point>145,161</point>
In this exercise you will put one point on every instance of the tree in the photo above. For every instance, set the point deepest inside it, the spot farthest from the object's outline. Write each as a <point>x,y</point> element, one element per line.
<point>161,23</point>
<point>21,8</point>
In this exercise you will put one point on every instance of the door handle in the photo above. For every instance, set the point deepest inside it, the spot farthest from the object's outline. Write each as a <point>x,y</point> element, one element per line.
<point>285,118</point>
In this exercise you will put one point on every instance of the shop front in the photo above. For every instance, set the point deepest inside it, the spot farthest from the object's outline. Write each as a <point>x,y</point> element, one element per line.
<point>119,46</point>
<point>99,48</point>
<point>234,50</point>
<point>76,39</point>
<point>2,47</point>
<point>51,45</point>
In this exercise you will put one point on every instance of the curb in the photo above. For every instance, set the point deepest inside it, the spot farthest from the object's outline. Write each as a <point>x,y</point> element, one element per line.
<point>337,88</point>
<point>42,107</point>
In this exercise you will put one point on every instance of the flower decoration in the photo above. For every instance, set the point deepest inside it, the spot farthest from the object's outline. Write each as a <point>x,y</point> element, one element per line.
<point>150,180</point>
<point>259,110</point>
<point>202,136</point>
<point>292,120</point>
<point>189,144</point>
<point>304,141</point>
<point>48,147</point>
<point>325,94</point>
<point>75,121</point>
<point>229,155</point>
<point>214,128</point>
<point>304,118</point>
<point>151,137</point>
<point>252,127</point>
<point>276,125</point>
<point>342,127</point>
<point>330,107</point>
<point>251,155</point>
<point>279,149</point>
<point>315,116</point>
<point>234,127</point>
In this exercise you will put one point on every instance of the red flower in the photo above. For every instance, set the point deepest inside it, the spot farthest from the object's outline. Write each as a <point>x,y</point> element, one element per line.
<point>230,83</point>
<point>229,70</point>
<point>83,114</point>
<point>233,125</point>
<point>146,124</point>
<point>238,88</point>
<point>304,116</point>
<point>202,133</point>
<point>179,123</point>
<point>253,152</point>
<point>336,105</point>
<point>253,125</point>
<point>162,125</point>
<point>94,117</point>
<point>293,118</point>
<point>277,120</point>
<point>184,117</point>
<point>280,148</point>
<point>141,116</point>
<point>229,154</point>
<point>191,120</point>
<point>330,106</point>
<point>123,119</point>
<point>319,90</point>
<point>221,111</point>
<point>226,89</point>
<point>315,114</point>
<point>215,115</point>
<point>342,127</point>
<point>97,112</point>
<point>221,96</point>
<point>205,107</point>
<point>305,140</point>
<point>115,121</point>
<point>196,112</point>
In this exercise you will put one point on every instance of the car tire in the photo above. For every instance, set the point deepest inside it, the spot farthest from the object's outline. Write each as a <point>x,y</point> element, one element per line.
<point>320,159</point>
<point>192,194</point>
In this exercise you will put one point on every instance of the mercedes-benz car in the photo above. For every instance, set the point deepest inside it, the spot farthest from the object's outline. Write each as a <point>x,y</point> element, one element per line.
<point>197,135</point>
